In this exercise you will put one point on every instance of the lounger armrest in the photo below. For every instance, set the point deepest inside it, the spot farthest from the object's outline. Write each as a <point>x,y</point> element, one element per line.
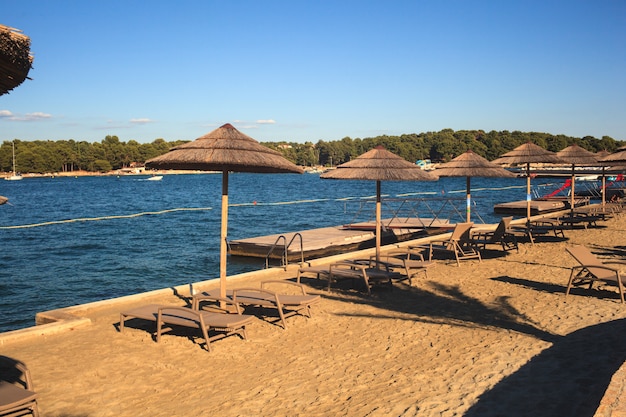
<point>271,293</point>
<point>179,308</point>
<point>186,310</point>
<point>482,235</point>
<point>394,259</point>
<point>599,266</point>
<point>348,266</point>
<point>285,282</point>
<point>378,263</point>
<point>198,298</point>
<point>407,253</point>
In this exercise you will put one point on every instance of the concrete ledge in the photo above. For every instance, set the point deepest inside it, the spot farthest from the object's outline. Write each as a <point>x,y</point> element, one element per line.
<point>70,318</point>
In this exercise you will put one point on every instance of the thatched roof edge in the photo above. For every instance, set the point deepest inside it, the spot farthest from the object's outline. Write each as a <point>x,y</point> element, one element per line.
<point>15,58</point>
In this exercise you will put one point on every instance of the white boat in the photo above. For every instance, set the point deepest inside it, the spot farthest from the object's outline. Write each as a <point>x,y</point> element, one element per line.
<point>14,176</point>
<point>155,178</point>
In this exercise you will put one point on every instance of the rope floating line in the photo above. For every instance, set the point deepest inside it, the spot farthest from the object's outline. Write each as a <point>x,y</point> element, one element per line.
<point>93,219</point>
<point>279,203</point>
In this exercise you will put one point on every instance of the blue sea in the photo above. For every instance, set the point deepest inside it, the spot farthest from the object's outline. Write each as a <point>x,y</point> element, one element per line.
<point>73,240</point>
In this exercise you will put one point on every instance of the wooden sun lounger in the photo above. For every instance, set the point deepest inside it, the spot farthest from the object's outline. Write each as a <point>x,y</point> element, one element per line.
<point>410,260</point>
<point>458,244</point>
<point>287,304</point>
<point>586,220</point>
<point>17,396</point>
<point>591,269</point>
<point>357,269</point>
<point>223,323</point>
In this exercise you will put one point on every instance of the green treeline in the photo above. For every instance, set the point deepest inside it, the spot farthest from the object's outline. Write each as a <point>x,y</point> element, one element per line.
<point>111,153</point>
<point>436,146</point>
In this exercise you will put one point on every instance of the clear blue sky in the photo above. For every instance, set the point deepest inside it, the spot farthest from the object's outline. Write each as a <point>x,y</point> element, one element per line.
<point>310,70</point>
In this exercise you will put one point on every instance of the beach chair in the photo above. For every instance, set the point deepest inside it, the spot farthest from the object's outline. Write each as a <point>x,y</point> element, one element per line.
<point>592,269</point>
<point>540,227</point>
<point>580,218</point>
<point>411,261</point>
<point>500,236</point>
<point>287,303</point>
<point>220,323</point>
<point>17,397</point>
<point>363,270</point>
<point>458,244</point>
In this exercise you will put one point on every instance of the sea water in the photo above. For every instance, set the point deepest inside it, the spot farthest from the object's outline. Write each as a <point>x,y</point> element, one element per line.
<point>74,240</point>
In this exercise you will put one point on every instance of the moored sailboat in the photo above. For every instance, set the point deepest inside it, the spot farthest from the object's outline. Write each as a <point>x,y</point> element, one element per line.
<point>14,176</point>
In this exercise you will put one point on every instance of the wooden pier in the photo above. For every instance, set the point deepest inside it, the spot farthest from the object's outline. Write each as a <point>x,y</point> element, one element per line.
<point>334,240</point>
<point>540,206</point>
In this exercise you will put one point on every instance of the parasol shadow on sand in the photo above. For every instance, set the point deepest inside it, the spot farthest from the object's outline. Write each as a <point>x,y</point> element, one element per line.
<point>378,165</point>
<point>527,154</point>
<point>228,150</point>
<point>470,164</point>
<point>576,156</point>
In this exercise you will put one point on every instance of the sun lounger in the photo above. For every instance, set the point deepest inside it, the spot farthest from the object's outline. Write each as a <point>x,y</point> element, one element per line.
<point>584,219</point>
<point>17,397</point>
<point>592,269</point>
<point>500,236</point>
<point>223,324</point>
<point>458,244</point>
<point>287,304</point>
<point>536,228</point>
<point>411,261</point>
<point>363,270</point>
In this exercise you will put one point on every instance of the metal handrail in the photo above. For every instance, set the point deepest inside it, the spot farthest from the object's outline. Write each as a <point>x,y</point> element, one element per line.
<point>286,246</point>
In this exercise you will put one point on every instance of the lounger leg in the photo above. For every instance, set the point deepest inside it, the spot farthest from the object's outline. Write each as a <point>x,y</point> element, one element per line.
<point>122,319</point>
<point>282,316</point>
<point>205,333</point>
<point>243,333</point>
<point>159,324</point>
<point>569,283</point>
<point>620,286</point>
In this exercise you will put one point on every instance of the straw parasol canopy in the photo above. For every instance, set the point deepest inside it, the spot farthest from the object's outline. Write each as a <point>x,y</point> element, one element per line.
<point>378,165</point>
<point>470,164</point>
<point>576,155</point>
<point>616,158</point>
<point>228,150</point>
<point>527,154</point>
<point>224,149</point>
<point>15,58</point>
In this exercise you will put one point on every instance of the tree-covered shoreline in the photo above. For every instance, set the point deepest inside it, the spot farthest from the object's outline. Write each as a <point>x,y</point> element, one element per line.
<point>64,156</point>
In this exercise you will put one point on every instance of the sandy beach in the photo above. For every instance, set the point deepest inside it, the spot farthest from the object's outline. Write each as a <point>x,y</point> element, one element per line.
<point>496,338</point>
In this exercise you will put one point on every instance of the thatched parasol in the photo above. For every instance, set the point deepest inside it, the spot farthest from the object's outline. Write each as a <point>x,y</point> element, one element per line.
<point>468,165</point>
<point>527,154</point>
<point>15,58</point>
<point>379,165</point>
<point>224,149</point>
<point>616,158</point>
<point>576,155</point>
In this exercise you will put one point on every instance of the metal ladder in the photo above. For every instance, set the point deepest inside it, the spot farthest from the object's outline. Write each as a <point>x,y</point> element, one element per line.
<point>285,246</point>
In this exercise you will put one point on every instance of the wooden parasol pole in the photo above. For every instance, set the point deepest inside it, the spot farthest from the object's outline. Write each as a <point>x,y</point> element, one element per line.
<point>378,221</point>
<point>469,198</point>
<point>224,234</point>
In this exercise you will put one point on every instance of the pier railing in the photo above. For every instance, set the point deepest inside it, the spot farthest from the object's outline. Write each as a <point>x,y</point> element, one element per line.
<point>285,250</point>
